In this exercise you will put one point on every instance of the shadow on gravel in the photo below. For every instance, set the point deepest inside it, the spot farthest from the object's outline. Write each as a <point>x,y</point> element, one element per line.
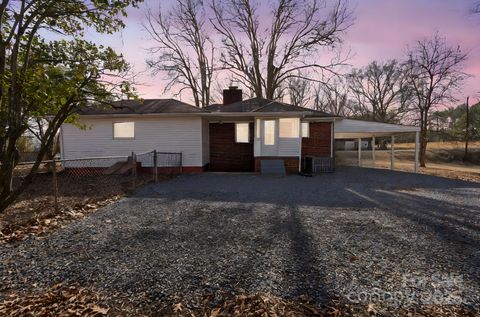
<point>305,276</point>
<point>455,227</point>
<point>324,190</point>
<point>286,236</point>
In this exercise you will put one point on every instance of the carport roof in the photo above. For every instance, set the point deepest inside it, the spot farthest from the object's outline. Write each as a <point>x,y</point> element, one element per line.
<point>350,129</point>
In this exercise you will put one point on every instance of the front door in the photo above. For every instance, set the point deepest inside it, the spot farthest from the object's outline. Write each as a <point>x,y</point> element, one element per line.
<point>269,137</point>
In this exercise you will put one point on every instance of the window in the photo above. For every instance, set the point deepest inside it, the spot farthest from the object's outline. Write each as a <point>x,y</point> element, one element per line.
<point>123,130</point>
<point>242,133</point>
<point>269,132</point>
<point>305,130</point>
<point>289,127</point>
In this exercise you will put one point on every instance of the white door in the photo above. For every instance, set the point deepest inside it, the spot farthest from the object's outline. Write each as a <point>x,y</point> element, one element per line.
<point>269,137</point>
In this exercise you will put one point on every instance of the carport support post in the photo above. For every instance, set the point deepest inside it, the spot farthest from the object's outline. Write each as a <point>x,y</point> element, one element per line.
<point>134,169</point>
<point>373,150</point>
<point>359,152</point>
<point>392,153</point>
<point>155,165</point>
<point>417,149</point>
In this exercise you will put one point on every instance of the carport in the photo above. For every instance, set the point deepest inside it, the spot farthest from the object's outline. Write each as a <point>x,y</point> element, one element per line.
<point>358,129</point>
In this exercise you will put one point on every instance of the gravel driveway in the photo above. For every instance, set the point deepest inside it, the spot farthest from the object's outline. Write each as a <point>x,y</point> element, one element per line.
<point>360,235</point>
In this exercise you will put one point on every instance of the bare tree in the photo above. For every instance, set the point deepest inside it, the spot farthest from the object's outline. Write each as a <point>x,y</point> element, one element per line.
<point>379,87</point>
<point>332,97</point>
<point>296,31</point>
<point>434,74</point>
<point>183,49</point>
<point>299,91</point>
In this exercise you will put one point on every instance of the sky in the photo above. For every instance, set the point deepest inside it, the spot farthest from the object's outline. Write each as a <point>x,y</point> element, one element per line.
<point>382,30</point>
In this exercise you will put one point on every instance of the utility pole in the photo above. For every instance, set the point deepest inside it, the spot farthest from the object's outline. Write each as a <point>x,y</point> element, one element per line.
<point>467,131</point>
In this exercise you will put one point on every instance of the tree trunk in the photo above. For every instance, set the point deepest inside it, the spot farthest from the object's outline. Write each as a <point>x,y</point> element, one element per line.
<point>423,139</point>
<point>423,148</point>
<point>467,131</point>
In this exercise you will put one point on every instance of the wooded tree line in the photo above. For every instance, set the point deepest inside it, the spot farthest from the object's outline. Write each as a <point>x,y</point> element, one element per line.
<point>451,123</point>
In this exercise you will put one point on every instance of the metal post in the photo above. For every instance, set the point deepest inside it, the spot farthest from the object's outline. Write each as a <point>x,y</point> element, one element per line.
<point>373,150</point>
<point>359,152</point>
<point>392,153</point>
<point>134,169</point>
<point>155,166</point>
<point>55,184</point>
<point>181,162</point>
<point>417,148</point>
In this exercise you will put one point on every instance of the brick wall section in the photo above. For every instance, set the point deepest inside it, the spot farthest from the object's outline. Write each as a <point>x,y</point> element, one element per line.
<point>319,143</point>
<point>225,154</point>
<point>291,163</point>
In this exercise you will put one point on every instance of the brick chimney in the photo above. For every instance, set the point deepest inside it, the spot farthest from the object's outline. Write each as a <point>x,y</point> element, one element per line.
<point>232,95</point>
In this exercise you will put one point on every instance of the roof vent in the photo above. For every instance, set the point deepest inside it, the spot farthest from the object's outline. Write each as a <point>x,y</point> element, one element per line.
<point>231,95</point>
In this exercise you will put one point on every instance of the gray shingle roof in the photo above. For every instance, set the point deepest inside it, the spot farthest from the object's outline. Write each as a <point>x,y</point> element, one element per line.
<point>145,106</point>
<point>152,106</point>
<point>259,105</point>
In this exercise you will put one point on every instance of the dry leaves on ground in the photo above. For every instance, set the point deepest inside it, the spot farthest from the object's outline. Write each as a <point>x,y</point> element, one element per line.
<point>265,305</point>
<point>59,300</point>
<point>49,221</point>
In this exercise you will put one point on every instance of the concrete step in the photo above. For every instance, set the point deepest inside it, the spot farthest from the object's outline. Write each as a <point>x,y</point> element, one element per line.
<point>272,167</point>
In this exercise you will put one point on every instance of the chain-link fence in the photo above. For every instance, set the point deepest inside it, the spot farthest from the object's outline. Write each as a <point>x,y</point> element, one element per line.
<point>65,184</point>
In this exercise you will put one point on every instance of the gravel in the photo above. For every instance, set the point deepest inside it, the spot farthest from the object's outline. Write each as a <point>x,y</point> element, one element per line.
<point>359,235</point>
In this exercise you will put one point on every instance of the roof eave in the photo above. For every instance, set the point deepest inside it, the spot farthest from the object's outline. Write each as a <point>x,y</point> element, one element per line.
<point>140,115</point>
<point>213,114</point>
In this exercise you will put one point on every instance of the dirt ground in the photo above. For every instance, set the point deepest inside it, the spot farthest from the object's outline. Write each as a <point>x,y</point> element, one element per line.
<point>444,159</point>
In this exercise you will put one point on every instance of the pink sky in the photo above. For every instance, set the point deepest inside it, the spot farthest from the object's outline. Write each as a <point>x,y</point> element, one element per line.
<point>383,29</point>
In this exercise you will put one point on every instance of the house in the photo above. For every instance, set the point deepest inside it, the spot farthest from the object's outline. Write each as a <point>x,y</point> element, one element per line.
<point>236,136</point>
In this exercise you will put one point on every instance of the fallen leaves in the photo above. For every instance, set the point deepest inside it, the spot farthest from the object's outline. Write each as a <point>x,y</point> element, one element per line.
<point>267,305</point>
<point>59,300</point>
<point>252,305</point>
<point>48,222</point>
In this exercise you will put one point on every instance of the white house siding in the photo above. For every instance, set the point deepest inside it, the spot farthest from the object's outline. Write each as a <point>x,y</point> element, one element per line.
<point>289,147</point>
<point>205,142</point>
<point>257,147</point>
<point>173,134</point>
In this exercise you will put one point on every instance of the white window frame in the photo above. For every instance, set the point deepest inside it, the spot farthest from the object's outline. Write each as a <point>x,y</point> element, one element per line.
<point>123,137</point>
<point>274,133</point>
<point>307,125</point>
<point>258,128</point>
<point>236,132</point>
<point>295,128</point>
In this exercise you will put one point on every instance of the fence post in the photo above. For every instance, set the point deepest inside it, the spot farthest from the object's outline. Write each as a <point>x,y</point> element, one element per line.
<point>155,166</point>
<point>55,184</point>
<point>181,162</point>
<point>134,169</point>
